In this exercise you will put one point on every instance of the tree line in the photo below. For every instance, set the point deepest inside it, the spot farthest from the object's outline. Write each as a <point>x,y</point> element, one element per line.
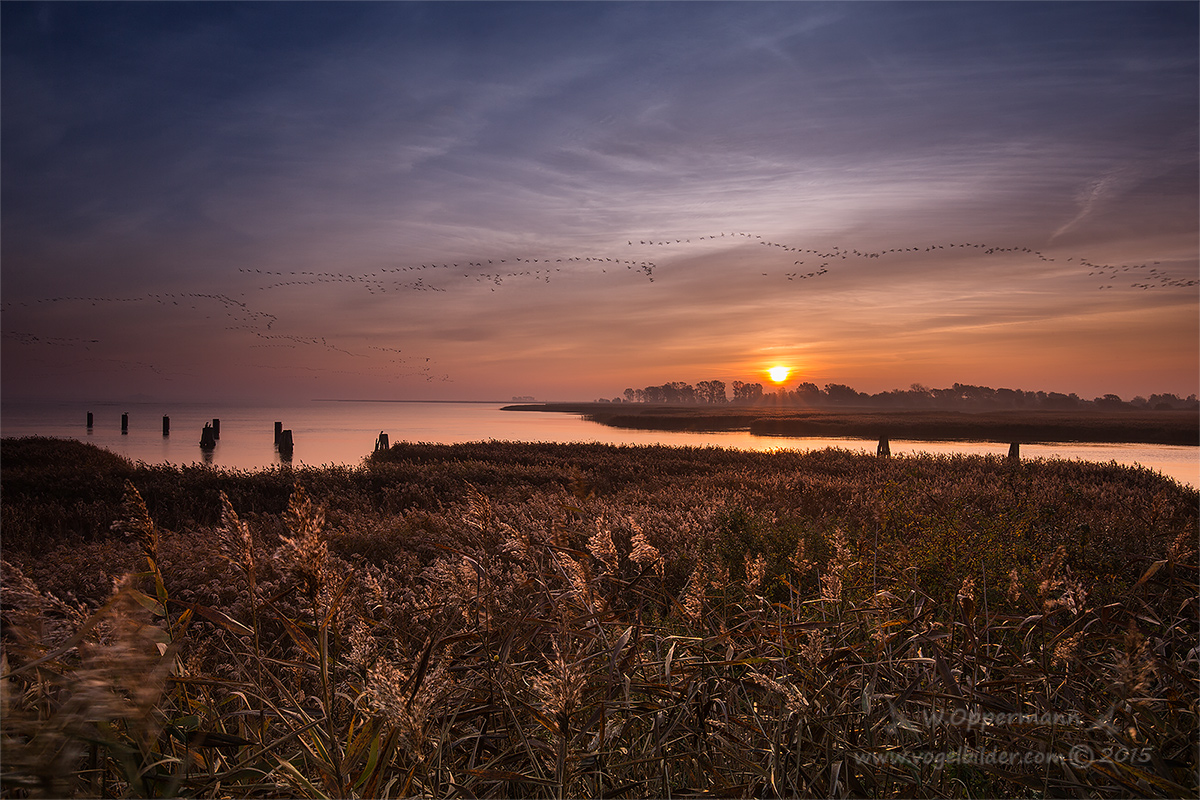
<point>959,396</point>
<point>712,392</point>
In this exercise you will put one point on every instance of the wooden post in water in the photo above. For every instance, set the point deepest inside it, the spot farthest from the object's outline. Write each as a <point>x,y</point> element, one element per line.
<point>216,428</point>
<point>1014,452</point>
<point>166,425</point>
<point>125,423</point>
<point>883,449</point>
<point>382,442</point>
<point>285,444</point>
<point>278,432</point>
<point>207,440</point>
<point>89,420</point>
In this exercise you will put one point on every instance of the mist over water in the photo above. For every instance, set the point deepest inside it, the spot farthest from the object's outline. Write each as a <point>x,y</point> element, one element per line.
<point>344,433</point>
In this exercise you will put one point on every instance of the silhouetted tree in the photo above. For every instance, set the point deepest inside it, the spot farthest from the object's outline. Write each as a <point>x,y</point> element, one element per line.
<point>808,394</point>
<point>679,392</point>
<point>1166,402</point>
<point>840,394</point>
<point>1110,402</point>
<point>1056,401</point>
<point>711,392</point>
<point>746,392</point>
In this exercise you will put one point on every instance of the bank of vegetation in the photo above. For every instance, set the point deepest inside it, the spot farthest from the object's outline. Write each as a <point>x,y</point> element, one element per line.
<point>537,620</point>
<point>1172,427</point>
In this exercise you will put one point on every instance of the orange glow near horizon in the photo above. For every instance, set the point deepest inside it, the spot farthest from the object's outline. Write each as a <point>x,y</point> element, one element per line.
<point>779,374</point>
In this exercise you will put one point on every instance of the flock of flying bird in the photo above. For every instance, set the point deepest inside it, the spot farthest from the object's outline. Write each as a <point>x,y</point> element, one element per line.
<point>496,271</point>
<point>383,280</point>
<point>379,281</point>
<point>1155,278</point>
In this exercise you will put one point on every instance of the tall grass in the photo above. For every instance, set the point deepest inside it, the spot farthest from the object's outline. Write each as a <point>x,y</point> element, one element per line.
<point>514,620</point>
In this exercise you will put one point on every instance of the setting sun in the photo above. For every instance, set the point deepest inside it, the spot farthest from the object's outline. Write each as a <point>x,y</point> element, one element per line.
<point>778,374</point>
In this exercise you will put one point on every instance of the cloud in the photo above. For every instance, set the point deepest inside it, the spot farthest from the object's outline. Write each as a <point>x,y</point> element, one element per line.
<point>314,163</point>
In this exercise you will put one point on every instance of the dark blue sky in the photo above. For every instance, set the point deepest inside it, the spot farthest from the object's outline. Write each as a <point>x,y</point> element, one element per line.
<point>283,189</point>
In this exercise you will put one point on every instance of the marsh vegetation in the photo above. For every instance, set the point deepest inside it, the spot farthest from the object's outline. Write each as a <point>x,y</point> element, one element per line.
<point>1171,426</point>
<point>537,620</point>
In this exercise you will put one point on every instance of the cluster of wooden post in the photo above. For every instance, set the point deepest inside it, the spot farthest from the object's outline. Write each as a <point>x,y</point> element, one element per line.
<point>212,432</point>
<point>210,435</point>
<point>884,450</point>
<point>283,440</point>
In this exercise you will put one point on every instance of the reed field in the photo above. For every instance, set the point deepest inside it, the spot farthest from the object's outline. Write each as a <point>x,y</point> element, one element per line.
<point>540,620</point>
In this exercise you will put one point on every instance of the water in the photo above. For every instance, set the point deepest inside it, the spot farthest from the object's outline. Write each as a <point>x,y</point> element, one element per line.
<point>331,432</point>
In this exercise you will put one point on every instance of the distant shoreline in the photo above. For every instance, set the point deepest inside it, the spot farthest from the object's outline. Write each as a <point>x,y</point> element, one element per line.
<point>1023,427</point>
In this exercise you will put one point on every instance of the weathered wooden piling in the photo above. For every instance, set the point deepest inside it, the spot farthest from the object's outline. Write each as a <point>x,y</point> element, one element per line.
<point>89,420</point>
<point>883,449</point>
<point>382,442</point>
<point>1014,452</point>
<point>207,440</point>
<point>285,443</point>
<point>278,432</point>
<point>125,423</point>
<point>216,426</point>
<point>166,425</point>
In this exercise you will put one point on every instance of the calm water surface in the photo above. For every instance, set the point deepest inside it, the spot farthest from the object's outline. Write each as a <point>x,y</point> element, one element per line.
<point>331,432</point>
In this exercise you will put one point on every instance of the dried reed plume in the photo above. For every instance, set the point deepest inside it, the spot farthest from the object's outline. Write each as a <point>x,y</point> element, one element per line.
<point>237,546</point>
<point>602,548</point>
<point>642,552</point>
<point>756,571</point>
<point>1135,666</point>
<point>832,578</point>
<point>136,523</point>
<point>410,701</point>
<point>305,554</point>
<point>793,698</point>
<point>479,513</point>
<point>558,689</point>
<point>693,593</point>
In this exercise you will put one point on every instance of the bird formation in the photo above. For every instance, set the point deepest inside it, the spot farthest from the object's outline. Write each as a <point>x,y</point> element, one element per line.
<point>383,280</point>
<point>22,337</point>
<point>1155,278</point>
<point>497,271</point>
<point>425,277</point>
<point>235,309</point>
<point>485,270</point>
<point>287,340</point>
<point>241,318</point>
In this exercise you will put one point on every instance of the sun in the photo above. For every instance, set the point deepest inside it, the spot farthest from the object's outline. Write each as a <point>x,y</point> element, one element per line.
<point>778,374</point>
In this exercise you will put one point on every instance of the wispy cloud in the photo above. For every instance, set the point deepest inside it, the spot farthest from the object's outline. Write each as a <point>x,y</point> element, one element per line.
<point>558,194</point>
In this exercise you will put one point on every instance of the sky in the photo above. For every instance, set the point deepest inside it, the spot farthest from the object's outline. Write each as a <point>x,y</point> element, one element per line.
<point>475,201</point>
